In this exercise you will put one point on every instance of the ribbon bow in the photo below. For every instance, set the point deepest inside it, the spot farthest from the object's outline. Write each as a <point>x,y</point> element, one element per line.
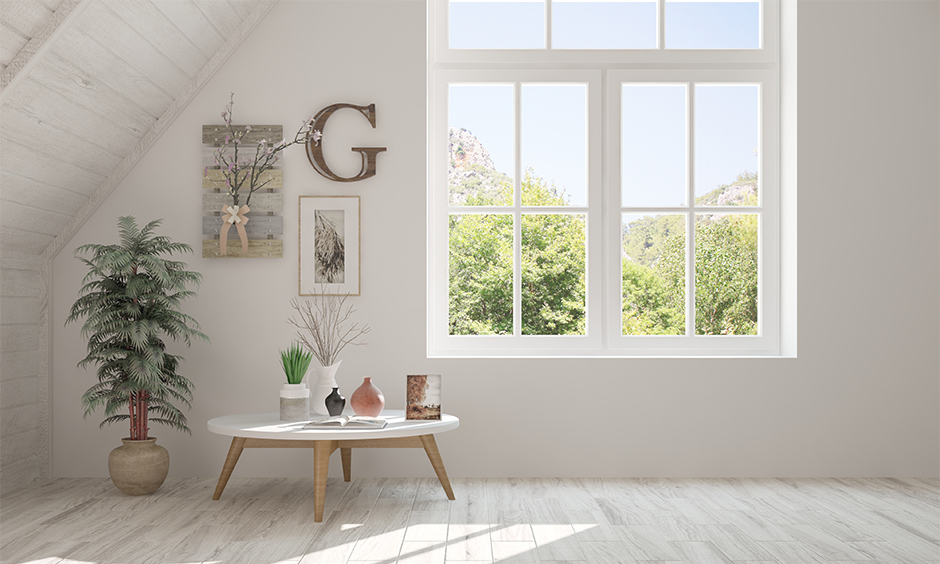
<point>233,216</point>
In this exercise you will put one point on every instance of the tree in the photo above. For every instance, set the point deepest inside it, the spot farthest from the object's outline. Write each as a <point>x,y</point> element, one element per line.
<point>553,263</point>
<point>130,299</point>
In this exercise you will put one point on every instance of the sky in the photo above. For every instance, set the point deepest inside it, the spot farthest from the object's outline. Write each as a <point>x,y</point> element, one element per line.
<point>553,131</point>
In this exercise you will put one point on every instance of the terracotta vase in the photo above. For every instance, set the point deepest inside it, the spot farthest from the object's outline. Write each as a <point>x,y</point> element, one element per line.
<point>323,387</point>
<point>367,399</point>
<point>139,467</point>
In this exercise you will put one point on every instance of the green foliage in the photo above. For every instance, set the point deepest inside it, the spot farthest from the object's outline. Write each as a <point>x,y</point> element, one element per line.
<point>130,300</point>
<point>553,263</point>
<point>726,275</point>
<point>643,238</point>
<point>295,361</point>
<point>650,305</point>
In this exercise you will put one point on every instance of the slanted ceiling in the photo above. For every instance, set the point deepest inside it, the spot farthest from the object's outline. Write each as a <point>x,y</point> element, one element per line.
<point>86,86</point>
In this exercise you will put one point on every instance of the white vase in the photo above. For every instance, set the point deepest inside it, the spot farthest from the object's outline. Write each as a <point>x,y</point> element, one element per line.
<point>295,400</point>
<point>326,381</point>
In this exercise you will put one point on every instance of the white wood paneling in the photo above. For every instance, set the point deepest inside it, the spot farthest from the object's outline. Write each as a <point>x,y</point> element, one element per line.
<point>28,218</point>
<point>11,42</point>
<point>222,17</point>
<point>25,241</point>
<point>85,90</point>
<point>25,16</point>
<point>186,16</point>
<point>116,35</point>
<point>47,169</point>
<point>94,59</point>
<point>37,101</point>
<point>160,32</point>
<point>31,192</point>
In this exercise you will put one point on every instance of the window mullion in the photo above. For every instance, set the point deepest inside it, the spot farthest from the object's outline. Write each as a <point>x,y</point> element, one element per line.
<point>517,212</point>
<point>661,22</point>
<point>690,215</point>
<point>548,25</point>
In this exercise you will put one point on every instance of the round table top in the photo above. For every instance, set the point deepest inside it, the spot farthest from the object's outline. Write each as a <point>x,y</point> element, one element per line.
<point>269,426</point>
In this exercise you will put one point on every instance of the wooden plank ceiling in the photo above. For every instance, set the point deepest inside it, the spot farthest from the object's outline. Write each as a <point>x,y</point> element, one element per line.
<point>83,82</point>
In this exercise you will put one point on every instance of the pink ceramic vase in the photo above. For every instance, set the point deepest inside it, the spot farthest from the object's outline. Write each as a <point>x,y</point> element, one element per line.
<point>367,399</point>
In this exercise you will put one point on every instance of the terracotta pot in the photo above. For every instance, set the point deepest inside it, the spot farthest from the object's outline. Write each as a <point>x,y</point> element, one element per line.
<point>139,467</point>
<point>367,399</point>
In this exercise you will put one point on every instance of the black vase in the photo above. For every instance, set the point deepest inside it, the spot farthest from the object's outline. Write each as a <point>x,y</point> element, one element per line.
<point>335,402</point>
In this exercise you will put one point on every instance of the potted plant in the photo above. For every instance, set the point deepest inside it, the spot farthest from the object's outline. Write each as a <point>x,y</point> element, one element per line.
<point>130,301</point>
<point>295,396</point>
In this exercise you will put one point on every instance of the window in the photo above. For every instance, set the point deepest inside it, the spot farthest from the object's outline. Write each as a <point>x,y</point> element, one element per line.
<point>603,178</point>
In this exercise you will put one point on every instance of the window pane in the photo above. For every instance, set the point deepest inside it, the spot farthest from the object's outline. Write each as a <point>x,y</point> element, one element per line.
<point>653,274</point>
<point>553,275</point>
<point>726,274</point>
<point>581,24</point>
<point>497,24</point>
<point>726,142</point>
<point>480,274</point>
<point>480,119</point>
<point>554,144</point>
<point>654,145</point>
<point>734,24</point>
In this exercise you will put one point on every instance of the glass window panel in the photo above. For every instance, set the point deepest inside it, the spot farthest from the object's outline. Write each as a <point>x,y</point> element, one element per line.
<point>480,119</point>
<point>480,274</point>
<point>727,133</point>
<point>726,274</point>
<point>581,24</point>
<point>733,24</point>
<point>554,144</point>
<point>653,274</point>
<point>496,24</point>
<point>553,274</point>
<point>654,145</point>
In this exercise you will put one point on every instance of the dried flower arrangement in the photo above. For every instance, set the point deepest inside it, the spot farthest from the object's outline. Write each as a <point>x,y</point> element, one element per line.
<point>325,327</point>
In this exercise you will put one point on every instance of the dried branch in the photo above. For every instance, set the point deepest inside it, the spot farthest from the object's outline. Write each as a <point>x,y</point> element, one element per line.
<point>324,326</point>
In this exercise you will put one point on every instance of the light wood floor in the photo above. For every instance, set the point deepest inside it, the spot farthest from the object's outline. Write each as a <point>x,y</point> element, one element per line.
<point>596,521</point>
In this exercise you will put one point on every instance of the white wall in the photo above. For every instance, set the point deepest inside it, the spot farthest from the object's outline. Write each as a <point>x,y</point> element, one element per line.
<point>25,450</point>
<point>861,399</point>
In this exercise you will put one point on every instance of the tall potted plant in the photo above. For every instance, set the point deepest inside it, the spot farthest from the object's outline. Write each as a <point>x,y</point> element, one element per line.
<point>130,301</point>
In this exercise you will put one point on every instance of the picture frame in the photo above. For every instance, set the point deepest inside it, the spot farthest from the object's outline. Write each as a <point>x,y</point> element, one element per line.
<point>423,395</point>
<point>328,262</point>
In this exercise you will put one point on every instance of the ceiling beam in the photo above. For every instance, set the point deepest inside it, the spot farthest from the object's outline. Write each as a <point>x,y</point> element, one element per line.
<point>60,21</point>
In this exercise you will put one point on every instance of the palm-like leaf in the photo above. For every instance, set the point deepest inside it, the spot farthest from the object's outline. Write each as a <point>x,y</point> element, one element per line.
<point>129,301</point>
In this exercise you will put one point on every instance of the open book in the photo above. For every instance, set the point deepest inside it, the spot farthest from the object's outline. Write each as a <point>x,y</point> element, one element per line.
<point>360,421</point>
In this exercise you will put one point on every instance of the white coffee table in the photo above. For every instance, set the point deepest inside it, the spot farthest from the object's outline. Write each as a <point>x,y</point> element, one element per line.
<point>265,430</point>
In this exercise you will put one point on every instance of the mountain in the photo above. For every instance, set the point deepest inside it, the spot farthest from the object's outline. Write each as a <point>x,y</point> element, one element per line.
<point>471,172</point>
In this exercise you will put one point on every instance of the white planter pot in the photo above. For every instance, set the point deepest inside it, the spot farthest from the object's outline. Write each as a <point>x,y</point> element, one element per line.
<point>325,382</point>
<point>295,400</point>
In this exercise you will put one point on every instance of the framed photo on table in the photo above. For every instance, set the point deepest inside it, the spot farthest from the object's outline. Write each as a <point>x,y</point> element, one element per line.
<point>329,245</point>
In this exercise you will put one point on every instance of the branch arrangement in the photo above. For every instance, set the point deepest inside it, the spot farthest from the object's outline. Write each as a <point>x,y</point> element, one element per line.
<point>325,327</point>
<point>239,171</point>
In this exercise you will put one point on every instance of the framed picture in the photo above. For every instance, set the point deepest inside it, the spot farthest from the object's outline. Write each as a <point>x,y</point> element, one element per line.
<point>329,245</point>
<point>423,397</point>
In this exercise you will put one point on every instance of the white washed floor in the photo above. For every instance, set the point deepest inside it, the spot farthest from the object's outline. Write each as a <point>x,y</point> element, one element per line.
<point>518,521</point>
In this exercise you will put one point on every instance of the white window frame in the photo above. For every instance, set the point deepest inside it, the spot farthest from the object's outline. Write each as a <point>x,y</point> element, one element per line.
<point>604,71</point>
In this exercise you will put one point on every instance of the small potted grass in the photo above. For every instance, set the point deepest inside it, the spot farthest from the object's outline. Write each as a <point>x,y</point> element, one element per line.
<point>295,397</point>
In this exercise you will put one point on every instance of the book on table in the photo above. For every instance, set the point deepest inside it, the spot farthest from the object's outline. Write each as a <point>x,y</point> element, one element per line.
<point>352,421</point>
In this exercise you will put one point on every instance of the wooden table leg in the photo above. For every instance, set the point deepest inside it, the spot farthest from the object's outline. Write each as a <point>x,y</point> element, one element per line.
<point>430,447</point>
<point>234,451</point>
<point>346,454</point>
<point>321,467</point>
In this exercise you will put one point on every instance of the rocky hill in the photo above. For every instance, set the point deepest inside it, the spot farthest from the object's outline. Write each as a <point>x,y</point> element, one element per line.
<point>471,171</point>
